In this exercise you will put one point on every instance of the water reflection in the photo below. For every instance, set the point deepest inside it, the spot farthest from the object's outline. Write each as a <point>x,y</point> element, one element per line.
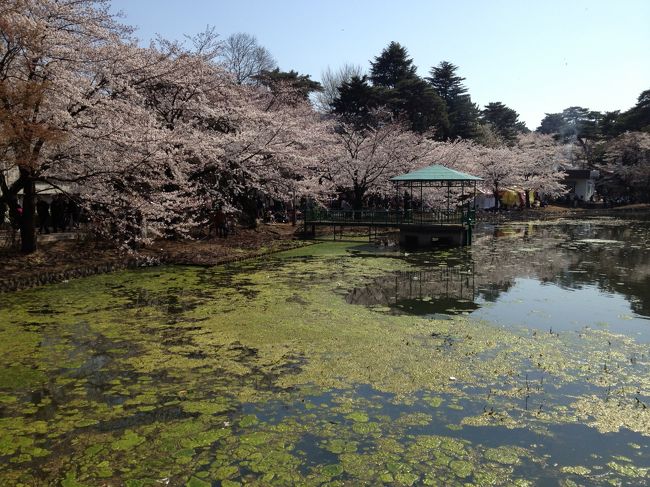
<point>555,276</point>
<point>257,374</point>
<point>447,289</point>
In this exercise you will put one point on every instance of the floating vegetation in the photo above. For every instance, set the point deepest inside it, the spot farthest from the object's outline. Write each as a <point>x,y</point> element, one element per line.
<point>262,373</point>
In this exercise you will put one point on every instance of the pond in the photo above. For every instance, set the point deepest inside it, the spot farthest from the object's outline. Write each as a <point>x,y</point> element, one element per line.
<point>523,360</point>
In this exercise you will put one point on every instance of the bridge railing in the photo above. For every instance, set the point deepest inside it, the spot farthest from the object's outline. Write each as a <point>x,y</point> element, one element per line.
<point>388,217</point>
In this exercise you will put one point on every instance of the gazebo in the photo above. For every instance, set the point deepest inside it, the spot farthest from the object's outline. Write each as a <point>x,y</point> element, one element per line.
<point>417,227</point>
<point>435,176</point>
<point>423,225</point>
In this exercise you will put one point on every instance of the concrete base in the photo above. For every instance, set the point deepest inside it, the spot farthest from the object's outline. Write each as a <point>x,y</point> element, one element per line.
<point>426,236</point>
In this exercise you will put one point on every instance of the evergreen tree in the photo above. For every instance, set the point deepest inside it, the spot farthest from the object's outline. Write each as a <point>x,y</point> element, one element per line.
<point>396,87</point>
<point>582,123</point>
<point>610,124</point>
<point>504,121</point>
<point>464,117</point>
<point>301,82</point>
<point>355,101</point>
<point>446,82</point>
<point>551,124</point>
<point>637,118</point>
<point>571,123</point>
<point>579,125</point>
<point>425,110</point>
<point>462,113</point>
<point>583,126</point>
<point>392,66</point>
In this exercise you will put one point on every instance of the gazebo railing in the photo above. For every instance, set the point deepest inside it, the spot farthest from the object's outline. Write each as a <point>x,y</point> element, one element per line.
<point>372,217</point>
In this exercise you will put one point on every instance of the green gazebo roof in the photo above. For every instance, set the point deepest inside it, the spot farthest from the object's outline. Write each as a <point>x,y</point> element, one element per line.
<point>435,173</point>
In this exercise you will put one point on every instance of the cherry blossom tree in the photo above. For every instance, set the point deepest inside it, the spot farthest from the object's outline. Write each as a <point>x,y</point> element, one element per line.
<point>145,138</point>
<point>541,158</point>
<point>627,157</point>
<point>531,163</point>
<point>499,167</point>
<point>151,140</point>
<point>364,159</point>
<point>270,147</point>
<point>76,116</point>
<point>53,62</point>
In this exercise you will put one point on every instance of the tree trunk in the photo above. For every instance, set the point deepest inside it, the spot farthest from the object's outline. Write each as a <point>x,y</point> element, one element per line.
<point>27,222</point>
<point>359,193</point>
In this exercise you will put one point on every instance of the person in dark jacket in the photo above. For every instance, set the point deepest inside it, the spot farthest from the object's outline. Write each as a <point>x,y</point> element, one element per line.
<point>43,212</point>
<point>221,223</point>
<point>3,212</point>
<point>57,210</point>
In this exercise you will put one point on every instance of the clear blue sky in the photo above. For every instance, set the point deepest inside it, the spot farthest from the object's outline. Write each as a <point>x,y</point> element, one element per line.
<point>535,56</point>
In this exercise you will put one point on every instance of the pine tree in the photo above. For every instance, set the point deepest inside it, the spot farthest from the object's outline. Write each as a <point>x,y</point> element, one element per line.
<point>355,101</point>
<point>446,83</point>
<point>504,121</point>
<point>425,110</point>
<point>392,66</point>
<point>552,123</point>
<point>464,117</point>
<point>638,117</point>
<point>300,82</point>
<point>396,87</point>
<point>462,113</point>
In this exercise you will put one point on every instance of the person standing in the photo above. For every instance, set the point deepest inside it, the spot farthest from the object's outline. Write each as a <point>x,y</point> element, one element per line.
<point>43,212</point>
<point>74,212</point>
<point>221,222</point>
<point>56,210</point>
<point>3,212</point>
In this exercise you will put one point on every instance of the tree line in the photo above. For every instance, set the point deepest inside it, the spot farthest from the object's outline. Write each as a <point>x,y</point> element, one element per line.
<point>151,141</point>
<point>439,102</point>
<point>617,143</point>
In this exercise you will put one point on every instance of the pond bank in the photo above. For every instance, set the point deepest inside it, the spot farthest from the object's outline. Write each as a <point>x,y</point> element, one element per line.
<point>62,260</point>
<point>553,211</point>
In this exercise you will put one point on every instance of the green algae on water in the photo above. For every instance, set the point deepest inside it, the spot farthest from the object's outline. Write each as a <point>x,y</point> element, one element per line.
<point>251,373</point>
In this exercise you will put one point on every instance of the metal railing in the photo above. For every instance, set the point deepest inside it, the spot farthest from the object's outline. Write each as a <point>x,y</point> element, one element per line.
<point>372,217</point>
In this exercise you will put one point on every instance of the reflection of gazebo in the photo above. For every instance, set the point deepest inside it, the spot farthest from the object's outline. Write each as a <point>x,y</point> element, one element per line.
<point>446,289</point>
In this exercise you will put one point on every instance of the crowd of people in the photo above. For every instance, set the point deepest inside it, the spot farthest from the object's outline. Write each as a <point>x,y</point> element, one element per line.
<point>59,215</point>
